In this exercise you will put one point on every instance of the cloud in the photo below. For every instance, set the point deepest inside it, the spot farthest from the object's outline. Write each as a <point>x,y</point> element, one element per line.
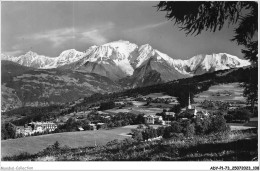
<point>94,34</point>
<point>57,37</point>
<point>146,27</point>
<point>13,53</point>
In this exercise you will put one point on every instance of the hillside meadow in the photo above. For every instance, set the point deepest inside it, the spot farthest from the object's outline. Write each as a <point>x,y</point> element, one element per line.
<point>35,144</point>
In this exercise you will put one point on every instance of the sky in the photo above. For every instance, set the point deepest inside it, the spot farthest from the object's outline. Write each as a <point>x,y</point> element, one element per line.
<point>48,28</point>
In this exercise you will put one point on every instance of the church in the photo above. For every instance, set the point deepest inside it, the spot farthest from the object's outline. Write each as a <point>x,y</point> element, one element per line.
<point>189,112</point>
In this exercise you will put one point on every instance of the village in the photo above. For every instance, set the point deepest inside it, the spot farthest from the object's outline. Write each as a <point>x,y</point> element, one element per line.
<point>154,109</point>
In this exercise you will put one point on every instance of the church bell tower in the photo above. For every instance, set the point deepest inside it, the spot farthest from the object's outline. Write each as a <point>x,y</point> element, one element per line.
<point>189,106</point>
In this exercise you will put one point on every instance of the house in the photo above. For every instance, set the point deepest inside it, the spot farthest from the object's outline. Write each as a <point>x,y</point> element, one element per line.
<point>101,113</point>
<point>119,103</point>
<point>233,107</point>
<point>93,127</point>
<point>80,128</point>
<point>202,114</point>
<point>167,122</point>
<point>101,125</point>
<point>28,130</point>
<point>43,126</point>
<point>149,119</point>
<point>152,119</point>
<point>20,130</point>
<point>170,114</point>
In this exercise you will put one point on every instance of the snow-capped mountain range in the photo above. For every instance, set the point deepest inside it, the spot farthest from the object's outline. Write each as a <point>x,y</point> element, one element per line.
<point>119,59</point>
<point>30,79</point>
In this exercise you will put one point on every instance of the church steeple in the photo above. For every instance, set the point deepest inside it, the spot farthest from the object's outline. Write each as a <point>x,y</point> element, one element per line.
<point>189,107</point>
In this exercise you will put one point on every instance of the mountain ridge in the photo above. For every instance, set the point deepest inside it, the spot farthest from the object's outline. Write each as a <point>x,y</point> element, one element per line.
<point>122,48</point>
<point>121,59</point>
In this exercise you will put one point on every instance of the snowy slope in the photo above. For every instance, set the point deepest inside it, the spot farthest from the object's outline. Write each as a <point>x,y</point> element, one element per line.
<point>207,63</point>
<point>121,58</point>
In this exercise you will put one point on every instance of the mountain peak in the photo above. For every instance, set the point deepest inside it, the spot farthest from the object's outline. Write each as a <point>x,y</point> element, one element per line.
<point>31,53</point>
<point>69,51</point>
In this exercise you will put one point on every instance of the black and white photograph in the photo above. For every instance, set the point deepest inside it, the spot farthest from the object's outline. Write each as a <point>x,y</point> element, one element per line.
<point>172,84</point>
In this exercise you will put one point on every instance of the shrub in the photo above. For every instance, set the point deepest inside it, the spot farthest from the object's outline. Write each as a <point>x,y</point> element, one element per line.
<point>202,125</point>
<point>8,130</point>
<point>176,108</point>
<point>240,115</point>
<point>107,105</point>
<point>140,119</point>
<point>140,126</point>
<point>167,132</point>
<point>176,127</point>
<point>218,124</point>
<point>160,131</point>
<point>56,145</point>
<point>189,130</point>
<point>137,135</point>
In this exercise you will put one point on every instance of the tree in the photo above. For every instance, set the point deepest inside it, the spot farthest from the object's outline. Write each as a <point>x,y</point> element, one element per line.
<point>212,15</point>
<point>176,108</point>
<point>193,17</point>
<point>189,130</point>
<point>218,124</point>
<point>137,135</point>
<point>8,130</point>
<point>56,145</point>
<point>140,119</point>
<point>176,127</point>
<point>251,88</point>
<point>107,105</point>
<point>160,131</point>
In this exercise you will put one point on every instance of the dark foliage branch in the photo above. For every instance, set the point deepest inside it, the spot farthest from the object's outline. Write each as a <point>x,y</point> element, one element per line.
<point>251,52</point>
<point>248,24</point>
<point>197,16</point>
<point>194,17</point>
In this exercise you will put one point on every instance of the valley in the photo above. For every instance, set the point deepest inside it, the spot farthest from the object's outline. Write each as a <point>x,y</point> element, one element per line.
<point>137,106</point>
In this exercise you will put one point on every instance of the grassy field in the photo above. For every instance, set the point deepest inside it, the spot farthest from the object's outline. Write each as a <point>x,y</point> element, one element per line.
<point>253,123</point>
<point>140,108</point>
<point>136,110</point>
<point>235,146</point>
<point>71,139</point>
<point>159,95</point>
<point>233,88</point>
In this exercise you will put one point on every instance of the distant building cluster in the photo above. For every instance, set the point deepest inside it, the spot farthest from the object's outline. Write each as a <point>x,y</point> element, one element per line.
<point>189,112</point>
<point>35,127</point>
